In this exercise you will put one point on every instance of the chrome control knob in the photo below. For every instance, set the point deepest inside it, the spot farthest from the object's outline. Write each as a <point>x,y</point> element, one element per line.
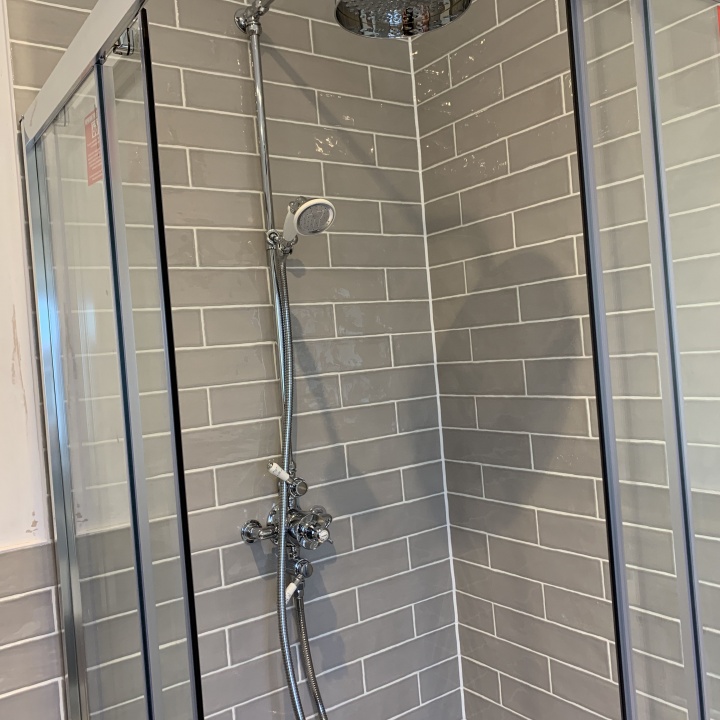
<point>323,535</point>
<point>309,529</point>
<point>299,488</point>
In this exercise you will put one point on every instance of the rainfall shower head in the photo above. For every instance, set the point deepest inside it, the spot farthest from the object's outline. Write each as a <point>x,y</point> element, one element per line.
<point>308,217</point>
<point>397,18</point>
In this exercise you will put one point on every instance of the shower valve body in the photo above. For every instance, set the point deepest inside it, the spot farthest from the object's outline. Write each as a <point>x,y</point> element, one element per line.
<point>307,529</point>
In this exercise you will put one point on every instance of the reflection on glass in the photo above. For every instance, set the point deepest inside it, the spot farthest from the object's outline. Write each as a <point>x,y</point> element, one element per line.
<point>687,45</point>
<point>94,412</point>
<point>132,176</point>
<point>634,284</point>
<point>97,409</point>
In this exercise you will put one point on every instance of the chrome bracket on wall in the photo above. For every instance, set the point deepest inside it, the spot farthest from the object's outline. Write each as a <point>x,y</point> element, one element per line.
<point>125,45</point>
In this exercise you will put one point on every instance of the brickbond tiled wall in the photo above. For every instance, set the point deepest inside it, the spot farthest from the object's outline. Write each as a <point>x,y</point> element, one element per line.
<point>381,605</point>
<point>31,682</point>
<point>509,298</point>
<point>688,49</point>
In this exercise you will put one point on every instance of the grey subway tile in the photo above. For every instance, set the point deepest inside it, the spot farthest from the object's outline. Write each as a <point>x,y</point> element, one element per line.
<point>526,699</point>
<point>419,414</point>
<point>342,355</point>
<point>499,588</point>
<point>518,190</point>
<point>422,480</point>
<point>452,105</point>
<point>410,657</point>
<point>30,663</point>
<point>44,701</point>
<point>412,349</point>
<point>492,517</point>
<point>368,115</point>
<point>481,680</point>
<point>477,309</point>
<point>26,617</point>
<point>414,587</point>
<point>541,490</point>
<point>432,79</point>
<point>506,657</point>
<point>545,60</point>
<point>472,240</point>
<point>27,569</point>
<point>563,569</point>
<point>407,449</point>
<point>345,425</point>
<point>366,638</point>
<point>376,251</point>
<point>511,116</point>
<point>439,680</point>
<point>470,545</point>
<point>384,385</point>
<point>475,612</point>
<point>408,284</point>
<point>382,317</point>
<point>434,613</point>
<point>388,84</point>
<point>398,520</point>
<point>479,446</point>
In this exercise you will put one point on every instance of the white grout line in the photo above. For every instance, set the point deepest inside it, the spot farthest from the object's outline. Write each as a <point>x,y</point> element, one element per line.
<point>437,378</point>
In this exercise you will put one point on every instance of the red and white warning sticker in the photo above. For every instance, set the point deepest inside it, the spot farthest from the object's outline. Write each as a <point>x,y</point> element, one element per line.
<point>93,149</point>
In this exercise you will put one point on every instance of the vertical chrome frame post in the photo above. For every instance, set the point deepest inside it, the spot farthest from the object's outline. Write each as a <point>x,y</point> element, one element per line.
<point>669,355</point>
<point>171,371</point>
<point>601,359</point>
<point>56,435</point>
<point>139,505</point>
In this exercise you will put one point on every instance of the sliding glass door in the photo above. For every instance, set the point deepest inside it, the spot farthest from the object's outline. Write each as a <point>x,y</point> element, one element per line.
<point>111,396</point>
<point>647,76</point>
<point>687,70</point>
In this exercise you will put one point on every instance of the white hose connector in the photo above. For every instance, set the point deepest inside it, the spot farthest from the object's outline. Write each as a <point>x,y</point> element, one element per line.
<point>278,472</point>
<point>290,590</point>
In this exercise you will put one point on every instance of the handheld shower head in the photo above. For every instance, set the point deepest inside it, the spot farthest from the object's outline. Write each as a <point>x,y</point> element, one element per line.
<point>308,217</point>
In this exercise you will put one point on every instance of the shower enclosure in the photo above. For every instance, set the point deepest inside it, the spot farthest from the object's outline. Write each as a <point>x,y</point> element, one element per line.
<point>109,378</point>
<point>525,492</point>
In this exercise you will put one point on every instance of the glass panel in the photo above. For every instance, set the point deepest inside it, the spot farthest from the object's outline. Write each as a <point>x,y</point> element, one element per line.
<point>134,216</point>
<point>76,237</point>
<point>687,47</point>
<point>641,382</point>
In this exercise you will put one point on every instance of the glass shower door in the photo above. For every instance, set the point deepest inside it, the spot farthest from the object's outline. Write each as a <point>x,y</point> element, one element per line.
<point>687,67</point>
<point>111,399</point>
<point>88,386</point>
<point>648,94</point>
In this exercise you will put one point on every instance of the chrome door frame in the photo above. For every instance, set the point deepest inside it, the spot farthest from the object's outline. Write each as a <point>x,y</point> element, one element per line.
<point>58,460</point>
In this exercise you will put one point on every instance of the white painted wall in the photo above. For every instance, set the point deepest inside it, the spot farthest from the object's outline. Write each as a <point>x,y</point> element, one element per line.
<point>23,488</point>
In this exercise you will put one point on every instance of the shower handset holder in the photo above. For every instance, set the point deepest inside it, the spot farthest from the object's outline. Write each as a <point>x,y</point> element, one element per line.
<point>307,529</point>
